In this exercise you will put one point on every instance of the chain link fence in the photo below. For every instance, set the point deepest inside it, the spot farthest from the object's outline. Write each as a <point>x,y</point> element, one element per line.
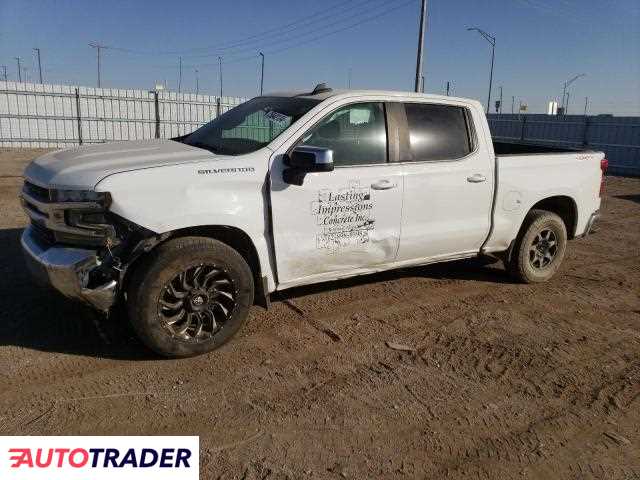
<point>42,115</point>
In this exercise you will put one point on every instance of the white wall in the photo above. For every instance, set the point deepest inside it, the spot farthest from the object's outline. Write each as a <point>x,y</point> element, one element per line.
<point>37,115</point>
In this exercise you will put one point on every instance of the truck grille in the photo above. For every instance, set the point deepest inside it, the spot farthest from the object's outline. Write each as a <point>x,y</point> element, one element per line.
<point>42,233</point>
<point>39,193</point>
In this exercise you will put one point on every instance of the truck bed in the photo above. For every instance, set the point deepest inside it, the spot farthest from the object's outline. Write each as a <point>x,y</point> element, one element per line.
<point>523,148</point>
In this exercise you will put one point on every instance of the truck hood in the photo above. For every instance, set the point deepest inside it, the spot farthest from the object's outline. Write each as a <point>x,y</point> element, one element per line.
<point>84,167</point>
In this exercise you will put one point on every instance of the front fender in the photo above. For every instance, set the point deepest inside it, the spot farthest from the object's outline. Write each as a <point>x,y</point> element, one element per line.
<point>217,193</point>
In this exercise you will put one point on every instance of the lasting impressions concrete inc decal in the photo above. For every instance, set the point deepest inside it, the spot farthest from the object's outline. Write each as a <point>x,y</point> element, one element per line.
<point>344,217</point>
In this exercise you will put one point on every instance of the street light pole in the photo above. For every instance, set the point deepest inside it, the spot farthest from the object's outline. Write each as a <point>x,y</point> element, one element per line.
<point>423,14</point>
<point>492,40</point>
<point>19,70</point>
<point>197,82</point>
<point>179,74</point>
<point>261,72</point>
<point>37,50</point>
<point>564,91</point>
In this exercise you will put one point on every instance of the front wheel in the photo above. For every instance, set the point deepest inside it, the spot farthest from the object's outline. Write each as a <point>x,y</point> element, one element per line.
<point>190,296</point>
<point>539,248</point>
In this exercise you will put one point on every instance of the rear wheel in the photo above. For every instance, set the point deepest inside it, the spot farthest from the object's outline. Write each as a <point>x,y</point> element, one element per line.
<point>539,248</point>
<point>190,296</point>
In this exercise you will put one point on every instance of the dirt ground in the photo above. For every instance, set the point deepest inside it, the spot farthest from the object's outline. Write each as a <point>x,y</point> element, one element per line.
<point>502,380</point>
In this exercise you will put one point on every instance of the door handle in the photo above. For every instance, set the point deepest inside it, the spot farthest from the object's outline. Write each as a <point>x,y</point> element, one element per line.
<point>383,185</point>
<point>476,178</point>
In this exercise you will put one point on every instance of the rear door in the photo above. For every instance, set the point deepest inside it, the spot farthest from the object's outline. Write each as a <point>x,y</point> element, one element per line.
<point>342,221</point>
<point>448,181</point>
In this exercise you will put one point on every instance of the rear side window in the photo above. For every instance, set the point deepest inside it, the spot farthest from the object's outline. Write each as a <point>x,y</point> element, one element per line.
<point>437,132</point>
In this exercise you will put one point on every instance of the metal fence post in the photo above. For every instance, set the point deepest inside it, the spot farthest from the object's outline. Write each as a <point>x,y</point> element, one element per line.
<point>157,106</point>
<point>78,116</point>
<point>218,107</point>
<point>524,123</point>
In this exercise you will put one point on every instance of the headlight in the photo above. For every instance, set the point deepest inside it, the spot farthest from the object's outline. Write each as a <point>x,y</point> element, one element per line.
<point>102,198</point>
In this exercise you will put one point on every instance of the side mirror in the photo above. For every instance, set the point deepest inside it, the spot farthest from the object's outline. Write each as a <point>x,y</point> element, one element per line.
<point>306,159</point>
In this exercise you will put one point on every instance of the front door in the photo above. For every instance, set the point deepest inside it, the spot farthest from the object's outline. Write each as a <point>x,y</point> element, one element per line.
<point>338,223</point>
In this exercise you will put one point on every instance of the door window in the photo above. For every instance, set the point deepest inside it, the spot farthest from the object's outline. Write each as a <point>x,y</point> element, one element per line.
<point>437,132</point>
<point>356,133</point>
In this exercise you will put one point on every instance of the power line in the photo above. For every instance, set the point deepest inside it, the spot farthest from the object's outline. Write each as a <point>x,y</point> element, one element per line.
<point>309,19</point>
<point>246,45</point>
<point>286,39</point>
<point>299,43</point>
<point>279,32</point>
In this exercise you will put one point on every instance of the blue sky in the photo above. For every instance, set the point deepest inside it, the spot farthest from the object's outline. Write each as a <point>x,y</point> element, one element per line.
<point>540,44</point>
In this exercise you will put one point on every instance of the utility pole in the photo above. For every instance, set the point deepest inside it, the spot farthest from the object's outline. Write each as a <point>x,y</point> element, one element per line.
<point>492,40</point>
<point>500,99</point>
<point>220,64</point>
<point>98,47</point>
<point>4,70</point>
<point>37,50</point>
<point>349,72</point>
<point>179,74</point>
<point>261,72</point>
<point>19,69</point>
<point>197,82</point>
<point>513,101</point>
<point>423,14</point>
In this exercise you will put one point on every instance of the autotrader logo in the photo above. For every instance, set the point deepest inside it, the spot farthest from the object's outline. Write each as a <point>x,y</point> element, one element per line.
<point>68,458</point>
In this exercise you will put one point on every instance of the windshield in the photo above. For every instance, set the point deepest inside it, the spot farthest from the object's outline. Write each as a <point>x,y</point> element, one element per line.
<point>249,126</point>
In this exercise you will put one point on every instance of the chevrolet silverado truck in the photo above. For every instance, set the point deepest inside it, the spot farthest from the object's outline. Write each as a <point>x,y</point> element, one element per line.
<point>292,189</point>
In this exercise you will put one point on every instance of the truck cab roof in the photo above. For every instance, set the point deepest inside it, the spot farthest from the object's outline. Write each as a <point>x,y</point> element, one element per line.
<point>327,92</point>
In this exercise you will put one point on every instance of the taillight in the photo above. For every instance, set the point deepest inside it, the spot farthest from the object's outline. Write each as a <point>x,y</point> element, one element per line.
<point>604,164</point>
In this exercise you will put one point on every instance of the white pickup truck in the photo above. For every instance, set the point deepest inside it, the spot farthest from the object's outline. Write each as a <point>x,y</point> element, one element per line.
<point>291,189</point>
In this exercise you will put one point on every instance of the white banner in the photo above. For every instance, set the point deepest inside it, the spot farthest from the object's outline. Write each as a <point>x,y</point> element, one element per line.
<point>98,458</point>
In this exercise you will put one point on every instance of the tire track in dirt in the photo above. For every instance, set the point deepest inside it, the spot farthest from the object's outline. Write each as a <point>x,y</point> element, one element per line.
<point>505,379</point>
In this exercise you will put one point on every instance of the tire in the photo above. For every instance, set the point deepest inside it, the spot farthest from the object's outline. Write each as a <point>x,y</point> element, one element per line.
<point>539,248</point>
<point>189,296</point>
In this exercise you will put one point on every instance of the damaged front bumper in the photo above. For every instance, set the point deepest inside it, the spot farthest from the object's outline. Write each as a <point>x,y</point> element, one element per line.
<point>67,270</point>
